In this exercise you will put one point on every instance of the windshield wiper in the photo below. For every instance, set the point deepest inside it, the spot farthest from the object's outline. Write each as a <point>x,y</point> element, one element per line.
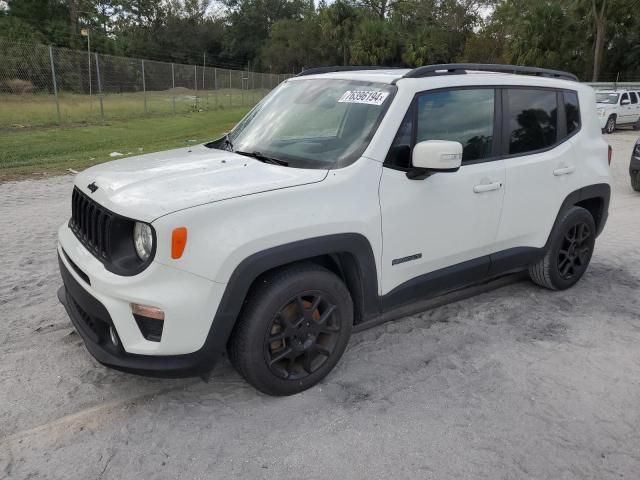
<point>263,158</point>
<point>228,144</point>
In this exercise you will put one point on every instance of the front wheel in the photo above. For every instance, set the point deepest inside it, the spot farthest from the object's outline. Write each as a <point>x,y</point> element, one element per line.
<point>569,252</point>
<point>293,329</point>
<point>610,126</point>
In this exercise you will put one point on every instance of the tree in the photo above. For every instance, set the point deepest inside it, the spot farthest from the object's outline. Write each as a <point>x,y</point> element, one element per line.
<point>293,45</point>
<point>250,23</point>
<point>599,10</point>
<point>337,24</point>
<point>375,42</point>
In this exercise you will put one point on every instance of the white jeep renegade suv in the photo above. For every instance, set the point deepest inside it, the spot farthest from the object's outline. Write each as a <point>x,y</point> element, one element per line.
<point>342,196</point>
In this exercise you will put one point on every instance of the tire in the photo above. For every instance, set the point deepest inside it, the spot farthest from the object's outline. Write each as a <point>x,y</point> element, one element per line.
<point>610,126</point>
<point>635,181</point>
<point>569,252</point>
<point>292,330</point>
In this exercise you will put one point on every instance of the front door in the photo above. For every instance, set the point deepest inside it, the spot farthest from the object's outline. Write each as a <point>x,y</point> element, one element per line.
<point>447,218</point>
<point>625,110</point>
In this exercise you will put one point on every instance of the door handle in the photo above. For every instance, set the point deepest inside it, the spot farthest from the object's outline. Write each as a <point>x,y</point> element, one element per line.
<point>487,187</point>
<point>564,171</point>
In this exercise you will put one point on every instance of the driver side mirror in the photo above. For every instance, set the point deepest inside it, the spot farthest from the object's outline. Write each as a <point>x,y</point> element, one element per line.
<point>434,156</point>
<point>625,102</point>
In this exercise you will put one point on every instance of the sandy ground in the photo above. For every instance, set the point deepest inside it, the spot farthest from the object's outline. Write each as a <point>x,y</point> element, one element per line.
<point>516,383</point>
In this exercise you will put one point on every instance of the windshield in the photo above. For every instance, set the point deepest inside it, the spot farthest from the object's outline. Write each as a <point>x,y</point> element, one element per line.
<point>607,98</point>
<point>314,123</point>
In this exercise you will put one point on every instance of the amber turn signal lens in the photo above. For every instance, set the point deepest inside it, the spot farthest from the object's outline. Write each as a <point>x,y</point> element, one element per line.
<point>178,242</point>
<point>147,311</point>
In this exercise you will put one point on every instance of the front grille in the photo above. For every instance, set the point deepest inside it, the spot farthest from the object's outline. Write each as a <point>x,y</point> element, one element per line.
<point>91,223</point>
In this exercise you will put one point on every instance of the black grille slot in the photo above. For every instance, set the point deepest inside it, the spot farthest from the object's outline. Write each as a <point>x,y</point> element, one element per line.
<point>91,223</point>
<point>80,273</point>
<point>97,330</point>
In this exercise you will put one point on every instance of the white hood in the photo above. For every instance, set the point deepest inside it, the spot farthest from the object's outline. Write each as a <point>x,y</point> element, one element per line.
<point>150,186</point>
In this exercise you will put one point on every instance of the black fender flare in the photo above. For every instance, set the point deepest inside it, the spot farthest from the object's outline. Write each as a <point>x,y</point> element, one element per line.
<point>354,245</point>
<point>600,191</point>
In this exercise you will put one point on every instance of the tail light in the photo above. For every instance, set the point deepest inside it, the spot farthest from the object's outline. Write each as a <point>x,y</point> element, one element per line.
<point>610,154</point>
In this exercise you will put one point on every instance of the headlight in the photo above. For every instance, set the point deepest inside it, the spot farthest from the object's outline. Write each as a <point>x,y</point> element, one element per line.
<point>143,240</point>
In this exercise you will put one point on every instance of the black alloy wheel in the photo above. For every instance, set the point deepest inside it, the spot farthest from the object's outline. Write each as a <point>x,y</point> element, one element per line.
<point>294,327</point>
<point>568,250</point>
<point>302,336</point>
<point>575,252</point>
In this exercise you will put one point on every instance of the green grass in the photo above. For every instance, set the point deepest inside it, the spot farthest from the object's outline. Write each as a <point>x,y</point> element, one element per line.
<point>39,110</point>
<point>29,151</point>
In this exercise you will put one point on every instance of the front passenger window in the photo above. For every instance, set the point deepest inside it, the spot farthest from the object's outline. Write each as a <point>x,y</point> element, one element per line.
<point>464,116</point>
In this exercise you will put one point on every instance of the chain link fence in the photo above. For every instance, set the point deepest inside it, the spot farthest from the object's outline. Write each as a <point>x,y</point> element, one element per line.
<point>42,85</point>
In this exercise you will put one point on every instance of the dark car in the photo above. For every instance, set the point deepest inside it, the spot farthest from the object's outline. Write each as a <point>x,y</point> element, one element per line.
<point>634,167</point>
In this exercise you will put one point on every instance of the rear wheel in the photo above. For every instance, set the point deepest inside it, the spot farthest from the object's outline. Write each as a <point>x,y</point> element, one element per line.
<point>293,329</point>
<point>635,181</point>
<point>569,252</point>
<point>610,126</point>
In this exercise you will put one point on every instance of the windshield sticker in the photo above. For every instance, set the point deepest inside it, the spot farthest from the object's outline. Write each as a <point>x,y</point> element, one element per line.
<point>368,97</point>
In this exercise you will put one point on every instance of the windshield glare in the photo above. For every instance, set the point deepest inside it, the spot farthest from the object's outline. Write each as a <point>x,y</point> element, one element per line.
<point>314,123</point>
<point>607,98</point>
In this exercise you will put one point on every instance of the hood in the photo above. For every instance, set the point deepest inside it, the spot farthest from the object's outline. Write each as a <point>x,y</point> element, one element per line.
<point>149,186</point>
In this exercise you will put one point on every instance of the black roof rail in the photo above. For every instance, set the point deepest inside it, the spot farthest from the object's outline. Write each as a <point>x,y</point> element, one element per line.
<point>346,68</point>
<point>461,68</point>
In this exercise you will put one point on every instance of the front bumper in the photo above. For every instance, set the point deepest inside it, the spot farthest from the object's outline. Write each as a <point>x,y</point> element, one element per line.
<point>97,300</point>
<point>92,322</point>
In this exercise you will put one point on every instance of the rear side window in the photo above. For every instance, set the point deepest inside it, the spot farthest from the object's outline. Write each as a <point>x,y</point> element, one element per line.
<point>634,98</point>
<point>531,119</point>
<point>571,111</point>
<point>464,116</point>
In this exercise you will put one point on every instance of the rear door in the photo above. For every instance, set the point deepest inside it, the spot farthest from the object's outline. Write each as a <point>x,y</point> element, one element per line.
<point>540,162</point>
